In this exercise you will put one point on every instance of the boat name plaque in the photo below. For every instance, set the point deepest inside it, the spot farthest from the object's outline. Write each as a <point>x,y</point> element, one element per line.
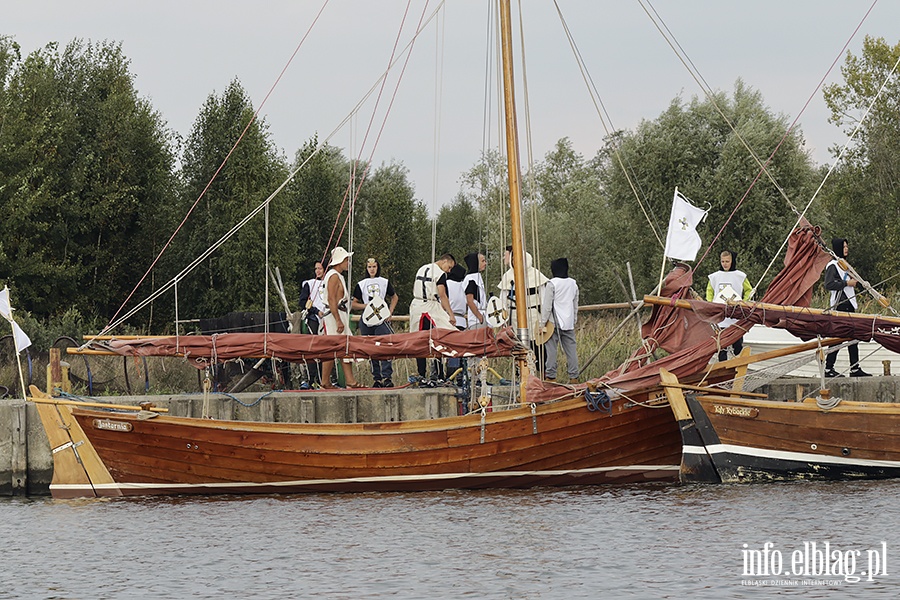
<point>736,411</point>
<point>111,425</point>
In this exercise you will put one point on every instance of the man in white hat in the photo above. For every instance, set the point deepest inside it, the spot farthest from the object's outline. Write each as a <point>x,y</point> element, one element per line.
<point>337,317</point>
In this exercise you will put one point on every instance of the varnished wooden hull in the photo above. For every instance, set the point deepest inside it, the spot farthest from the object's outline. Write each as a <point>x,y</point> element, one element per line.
<point>561,443</point>
<point>760,440</point>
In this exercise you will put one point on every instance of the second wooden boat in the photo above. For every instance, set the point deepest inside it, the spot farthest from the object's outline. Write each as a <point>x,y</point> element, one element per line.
<point>734,437</point>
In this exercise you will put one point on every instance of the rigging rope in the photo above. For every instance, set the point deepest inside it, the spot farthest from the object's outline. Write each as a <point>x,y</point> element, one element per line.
<point>609,129</point>
<point>438,80</point>
<point>436,140</point>
<point>350,236</point>
<point>833,166</point>
<point>197,261</point>
<point>708,92</point>
<point>266,295</point>
<point>483,204</point>
<point>701,82</point>
<point>503,213</point>
<point>218,170</point>
<point>532,191</point>
<point>349,192</point>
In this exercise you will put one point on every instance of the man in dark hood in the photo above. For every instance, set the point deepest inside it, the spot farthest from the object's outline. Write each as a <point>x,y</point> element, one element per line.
<point>842,286</point>
<point>560,306</point>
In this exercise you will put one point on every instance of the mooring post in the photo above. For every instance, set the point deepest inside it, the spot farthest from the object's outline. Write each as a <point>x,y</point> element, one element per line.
<point>54,372</point>
<point>66,382</point>
<point>19,455</point>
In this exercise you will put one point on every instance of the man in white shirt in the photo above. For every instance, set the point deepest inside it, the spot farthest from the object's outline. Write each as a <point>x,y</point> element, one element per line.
<point>560,306</point>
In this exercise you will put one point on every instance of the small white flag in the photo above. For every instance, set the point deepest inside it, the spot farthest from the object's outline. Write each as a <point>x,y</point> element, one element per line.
<point>20,337</point>
<point>5,308</point>
<point>683,242</point>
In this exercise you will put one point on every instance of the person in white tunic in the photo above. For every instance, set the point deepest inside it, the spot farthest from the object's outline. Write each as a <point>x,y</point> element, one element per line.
<point>312,299</point>
<point>534,291</point>
<point>366,289</point>
<point>337,319</point>
<point>457,296</point>
<point>430,306</point>
<point>312,302</point>
<point>842,286</point>
<point>728,284</point>
<point>560,306</point>
<point>534,288</point>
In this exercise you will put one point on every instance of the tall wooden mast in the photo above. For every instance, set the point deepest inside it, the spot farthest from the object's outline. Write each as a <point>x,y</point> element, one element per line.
<point>515,198</point>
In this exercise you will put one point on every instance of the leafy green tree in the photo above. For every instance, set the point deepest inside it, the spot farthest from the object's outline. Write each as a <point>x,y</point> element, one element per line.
<point>315,194</point>
<point>233,277</point>
<point>486,187</point>
<point>458,229</point>
<point>86,168</point>
<point>574,222</point>
<point>392,226</point>
<point>864,198</point>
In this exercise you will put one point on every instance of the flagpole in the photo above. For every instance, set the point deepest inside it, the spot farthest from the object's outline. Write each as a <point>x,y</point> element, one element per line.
<point>18,360</point>
<point>6,311</point>
<point>662,268</point>
<point>662,273</point>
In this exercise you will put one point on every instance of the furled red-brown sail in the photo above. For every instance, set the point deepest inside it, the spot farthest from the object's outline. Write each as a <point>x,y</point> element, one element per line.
<point>203,349</point>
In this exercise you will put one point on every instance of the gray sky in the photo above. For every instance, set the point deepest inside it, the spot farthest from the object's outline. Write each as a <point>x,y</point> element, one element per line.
<point>182,51</point>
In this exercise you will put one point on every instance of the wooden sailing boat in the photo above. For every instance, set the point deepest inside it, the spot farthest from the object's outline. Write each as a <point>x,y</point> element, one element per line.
<point>731,436</point>
<point>547,441</point>
<point>742,438</point>
<point>620,430</point>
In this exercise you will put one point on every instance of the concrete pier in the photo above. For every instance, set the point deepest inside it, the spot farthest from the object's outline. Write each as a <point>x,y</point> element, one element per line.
<point>26,467</point>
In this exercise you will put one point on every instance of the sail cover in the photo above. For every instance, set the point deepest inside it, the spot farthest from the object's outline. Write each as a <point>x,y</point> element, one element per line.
<point>809,323</point>
<point>202,350</point>
<point>803,264</point>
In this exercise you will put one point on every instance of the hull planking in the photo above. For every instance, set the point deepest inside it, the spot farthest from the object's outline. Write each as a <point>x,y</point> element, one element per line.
<point>760,440</point>
<point>99,453</point>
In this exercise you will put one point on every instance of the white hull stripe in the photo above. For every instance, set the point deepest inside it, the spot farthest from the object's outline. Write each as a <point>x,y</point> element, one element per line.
<point>380,480</point>
<point>799,456</point>
<point>694,450</point>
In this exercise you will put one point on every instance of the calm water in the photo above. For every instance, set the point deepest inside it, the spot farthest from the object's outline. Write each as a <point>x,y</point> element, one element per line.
<point>659,541</point>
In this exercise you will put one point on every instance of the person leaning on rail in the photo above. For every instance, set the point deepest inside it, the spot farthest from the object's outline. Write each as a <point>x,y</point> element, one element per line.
<point>842,286</point>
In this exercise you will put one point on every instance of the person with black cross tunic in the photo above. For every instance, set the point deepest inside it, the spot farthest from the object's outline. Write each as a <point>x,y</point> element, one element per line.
<point>375,284</point>
<point>430,306</point>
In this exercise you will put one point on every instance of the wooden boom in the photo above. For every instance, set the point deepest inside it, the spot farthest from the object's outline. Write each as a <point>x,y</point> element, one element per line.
<point>765,306</point>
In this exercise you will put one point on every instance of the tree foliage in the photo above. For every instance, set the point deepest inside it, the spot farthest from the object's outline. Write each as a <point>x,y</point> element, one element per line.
<point>233,277</point>
<point>91,193</point>
<point>393,227</point>
<point>316,194</point>
<point>692,147</point>
<point>87,175</point>
<point>575,222</point>
<point>864,197</point>
<point>457,229</point>
<point>485,187</point>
